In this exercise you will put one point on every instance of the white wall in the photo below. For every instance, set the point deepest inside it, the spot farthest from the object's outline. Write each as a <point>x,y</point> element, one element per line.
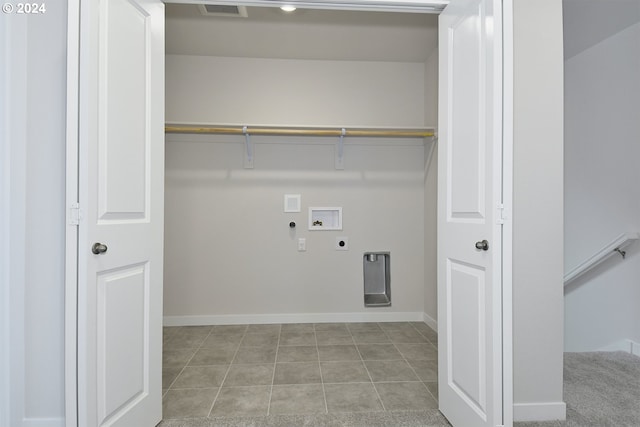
<point>33,174</point>
<point>602,196</point>
<point>293,92</point>
<point>45,213</point>
<point>5,228</point>
<point>12,142</point>
<point>430,194</point>
<point>538,214</point>
<point>587,23</point>
<point>229,250</point>
<point>431,89</point>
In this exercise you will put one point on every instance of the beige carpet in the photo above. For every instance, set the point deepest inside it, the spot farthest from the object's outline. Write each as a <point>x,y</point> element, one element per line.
<point>600,390</point>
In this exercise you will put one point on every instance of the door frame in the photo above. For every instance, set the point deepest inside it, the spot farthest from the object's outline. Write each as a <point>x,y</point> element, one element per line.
<point>71,202</point>
<point>507,201</point>
<point>13,185</point>
<point>74,68</point>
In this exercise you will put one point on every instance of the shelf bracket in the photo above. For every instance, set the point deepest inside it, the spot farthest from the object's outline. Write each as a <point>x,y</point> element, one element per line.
<point>339,151</point>
<point>248,157</point>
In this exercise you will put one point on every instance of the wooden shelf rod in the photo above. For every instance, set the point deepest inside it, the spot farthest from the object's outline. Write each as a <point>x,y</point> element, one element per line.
<point>293,131</point>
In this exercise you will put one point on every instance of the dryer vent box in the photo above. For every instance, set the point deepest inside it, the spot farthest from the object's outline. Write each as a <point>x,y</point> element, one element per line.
<point>377,279</point>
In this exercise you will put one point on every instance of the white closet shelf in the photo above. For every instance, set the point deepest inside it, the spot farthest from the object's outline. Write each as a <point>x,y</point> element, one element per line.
<point>303,131</point>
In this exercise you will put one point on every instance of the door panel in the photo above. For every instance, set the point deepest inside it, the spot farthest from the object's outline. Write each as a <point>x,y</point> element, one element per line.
<point>466,333</point>
<point>122,197</point>
<point>466,191</point>
<point>470,181</point>
<point>123,339</point>
<point>124,132</point>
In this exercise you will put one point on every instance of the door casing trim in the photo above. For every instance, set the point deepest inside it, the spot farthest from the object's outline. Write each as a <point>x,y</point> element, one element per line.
<point>74,69</point>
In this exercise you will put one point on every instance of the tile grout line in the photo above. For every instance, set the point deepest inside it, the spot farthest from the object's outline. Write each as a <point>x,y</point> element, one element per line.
<point>273,376</point>
<point>410,366</point>
<point>324,393</point>
<point>430,394</point>
<point>407,361</point>
<point>369,373</point>
<point>425,337</point>
<point>227,372</point>
<point>421,380</point>
<point>166,390</point>
<point>187,363</point>
<point>379,382</point>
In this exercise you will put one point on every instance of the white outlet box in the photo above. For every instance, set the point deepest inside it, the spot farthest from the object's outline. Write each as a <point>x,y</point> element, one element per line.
<point>342,243</point>
<point>302,244</point>
<point>325,218</point>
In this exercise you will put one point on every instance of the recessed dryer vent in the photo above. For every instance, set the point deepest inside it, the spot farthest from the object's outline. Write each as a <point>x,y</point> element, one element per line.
<point>377,279</point>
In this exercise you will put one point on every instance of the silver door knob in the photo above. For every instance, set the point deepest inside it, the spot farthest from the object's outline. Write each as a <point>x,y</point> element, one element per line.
<point>483,245</point>
<point>98,248</point>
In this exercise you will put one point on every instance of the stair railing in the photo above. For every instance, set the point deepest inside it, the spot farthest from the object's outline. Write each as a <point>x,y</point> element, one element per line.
<point>615,247</point>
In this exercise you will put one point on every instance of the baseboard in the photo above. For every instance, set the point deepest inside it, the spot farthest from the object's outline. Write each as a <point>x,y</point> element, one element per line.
<point>544,411</point>
<point>430,321</point>
<point>43,422</point>
<point>628,346</point>
<point>242,319</point>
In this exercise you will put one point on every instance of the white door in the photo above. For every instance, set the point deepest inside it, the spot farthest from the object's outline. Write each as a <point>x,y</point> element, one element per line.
<point>121,192</point>
<point>469,230</point>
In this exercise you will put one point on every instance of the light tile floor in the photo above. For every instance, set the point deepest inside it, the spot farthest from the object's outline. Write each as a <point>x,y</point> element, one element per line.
<point>322,368</point>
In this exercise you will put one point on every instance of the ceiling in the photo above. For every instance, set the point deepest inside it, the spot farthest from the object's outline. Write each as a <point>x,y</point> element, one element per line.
<point>588,22</point>
<point>303,34</point>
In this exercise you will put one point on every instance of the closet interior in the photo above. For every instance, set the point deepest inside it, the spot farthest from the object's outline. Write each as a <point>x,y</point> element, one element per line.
<point>275,117</point>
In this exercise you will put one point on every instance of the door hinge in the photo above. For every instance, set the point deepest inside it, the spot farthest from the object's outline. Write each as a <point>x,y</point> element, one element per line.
<point>501,216</point>
<point>75,214</point>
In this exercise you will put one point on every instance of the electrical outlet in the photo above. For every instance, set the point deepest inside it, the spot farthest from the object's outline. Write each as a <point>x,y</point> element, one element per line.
<point>342,243</point>
<point>302,244</point>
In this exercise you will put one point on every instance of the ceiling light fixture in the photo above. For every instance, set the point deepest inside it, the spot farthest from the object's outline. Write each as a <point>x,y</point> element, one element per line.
<point>287,8</point>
